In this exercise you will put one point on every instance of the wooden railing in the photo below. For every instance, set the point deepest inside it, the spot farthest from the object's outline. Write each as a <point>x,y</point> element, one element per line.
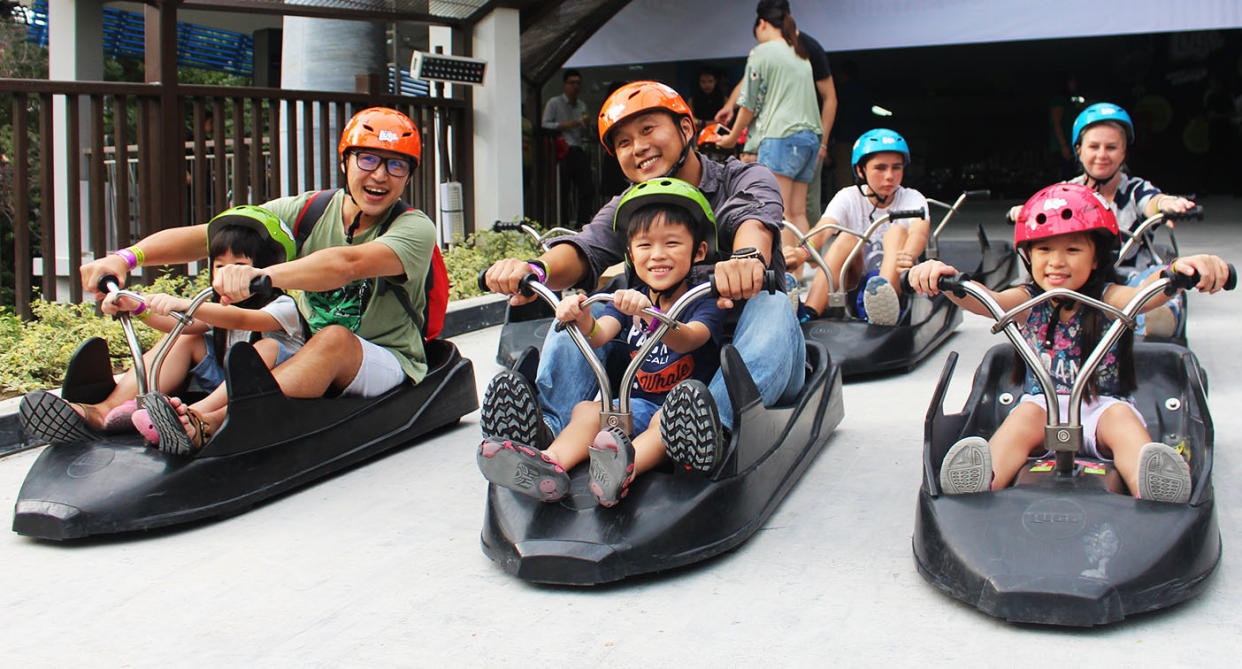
<point>263,143</point>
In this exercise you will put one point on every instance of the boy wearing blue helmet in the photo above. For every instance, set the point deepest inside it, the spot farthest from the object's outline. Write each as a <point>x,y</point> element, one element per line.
<point>878,160</point>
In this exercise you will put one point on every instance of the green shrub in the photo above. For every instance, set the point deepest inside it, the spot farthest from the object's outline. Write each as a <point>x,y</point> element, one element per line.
<point>464,260</point>
<point>35,354</point>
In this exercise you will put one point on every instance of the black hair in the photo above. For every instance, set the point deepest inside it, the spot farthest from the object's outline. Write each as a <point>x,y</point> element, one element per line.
<point>776,12</point>
<point>1094,322</point>
<point>645,216</point>
<point>241,240</point>
<point>570,73</point>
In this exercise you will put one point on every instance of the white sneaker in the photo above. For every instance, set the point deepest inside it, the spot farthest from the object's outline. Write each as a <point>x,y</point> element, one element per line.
<point>967,467</point>
<point>1163,476</point>
<point>880,301</point>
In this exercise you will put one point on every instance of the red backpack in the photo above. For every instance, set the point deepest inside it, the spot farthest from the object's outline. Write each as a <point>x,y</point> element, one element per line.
<point>436,286</point>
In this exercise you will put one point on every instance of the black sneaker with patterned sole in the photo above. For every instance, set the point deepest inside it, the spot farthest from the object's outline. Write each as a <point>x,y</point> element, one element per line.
<point>1163,476</point>
<point>522,469</point>
<point>511,411</point>
<point>612,462</point>
<point>51,419</point>
<point>690,426</point>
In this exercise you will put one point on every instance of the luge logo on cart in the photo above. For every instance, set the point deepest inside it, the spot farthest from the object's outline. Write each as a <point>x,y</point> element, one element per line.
<point>1054,519</point>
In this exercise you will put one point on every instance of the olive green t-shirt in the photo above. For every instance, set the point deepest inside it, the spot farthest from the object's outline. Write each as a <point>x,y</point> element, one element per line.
<point>778,87</point>
<point>377,317</point>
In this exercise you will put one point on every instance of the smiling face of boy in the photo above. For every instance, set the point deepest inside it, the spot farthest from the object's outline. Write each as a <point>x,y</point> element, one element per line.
<point>664,252</point>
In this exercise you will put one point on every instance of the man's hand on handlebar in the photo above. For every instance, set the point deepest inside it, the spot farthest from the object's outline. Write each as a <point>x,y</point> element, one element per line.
<point>505,277</point>
<point>1173,204</point>
<point>232,282</point>
<point>1213,271</point>
<point>738,279</point>
<point>97,269</point>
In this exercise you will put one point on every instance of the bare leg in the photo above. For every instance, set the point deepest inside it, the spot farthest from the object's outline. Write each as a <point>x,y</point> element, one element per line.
<point>572,445</point>
<point>894,241</point>
<point>1120,433</point>
<point>795,215</point>
<point>1020,433</point>
<point>649,449</point>
<point>329,360</point>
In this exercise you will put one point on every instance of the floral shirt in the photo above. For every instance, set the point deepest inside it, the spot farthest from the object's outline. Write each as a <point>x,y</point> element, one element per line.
<point>1063,361</point>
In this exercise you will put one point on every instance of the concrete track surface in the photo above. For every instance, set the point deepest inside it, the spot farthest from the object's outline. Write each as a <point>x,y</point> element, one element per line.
<point>381,566</point>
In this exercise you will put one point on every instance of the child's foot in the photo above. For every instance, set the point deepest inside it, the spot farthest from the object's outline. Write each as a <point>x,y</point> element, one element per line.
<point>967,467</point>
<point>1163,476</point>
<point>120,419</point>
<point>142,422</point>
<point>1160,322</point>
<point>182,431</point>
<point>880,301</point>
<point>690,426</point>
<point>50,419</point>
<point>522,469</point>
<point>612,462</point>
<point>511,411</point>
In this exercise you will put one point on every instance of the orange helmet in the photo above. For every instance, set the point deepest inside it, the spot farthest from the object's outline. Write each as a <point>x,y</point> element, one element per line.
<point>634,98</point>
<point>712,132</point>
<point>382,128</point>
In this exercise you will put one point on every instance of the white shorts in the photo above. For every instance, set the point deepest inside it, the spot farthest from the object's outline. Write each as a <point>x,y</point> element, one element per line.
<point>1089,417</point>
<point>380,371</point>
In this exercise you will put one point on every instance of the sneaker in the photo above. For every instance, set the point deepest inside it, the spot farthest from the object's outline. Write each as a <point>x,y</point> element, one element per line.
<point>522,469</point>
<point>967,467</point>
<point>52,420</point>
<point>1163,476</point>
<point>612,462</point>
<point>880,302</point>
<point>690,426</point>
<point>1160,322</point>
<point>511,411</point>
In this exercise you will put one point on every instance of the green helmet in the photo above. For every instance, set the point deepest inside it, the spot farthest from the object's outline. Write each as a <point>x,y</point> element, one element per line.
<point>667,190</point>
<point>261,221</point>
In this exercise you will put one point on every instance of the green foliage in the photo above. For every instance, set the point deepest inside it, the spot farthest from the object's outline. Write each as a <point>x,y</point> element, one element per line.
<point>35,354</point>
<point>465,260</point>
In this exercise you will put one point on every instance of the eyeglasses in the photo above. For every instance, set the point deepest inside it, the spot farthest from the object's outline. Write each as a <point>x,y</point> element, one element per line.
<point>369,162</point>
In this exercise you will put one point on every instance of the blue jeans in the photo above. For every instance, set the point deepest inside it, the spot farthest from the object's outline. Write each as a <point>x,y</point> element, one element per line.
<point>767,336</point>
<point>794,156</point>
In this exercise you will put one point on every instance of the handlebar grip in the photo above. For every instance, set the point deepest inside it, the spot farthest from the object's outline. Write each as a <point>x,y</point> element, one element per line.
<point>506,226</point>
<point>1179,281</point>
<point>1194,213</point>
<point>906,213</point>
<point>524,285</point>
<point>105,280</point>
<point>946,283</point>
<point>982,193</point>
<point>261,285</point>
<point>771,282</point>
<point>483,280</point>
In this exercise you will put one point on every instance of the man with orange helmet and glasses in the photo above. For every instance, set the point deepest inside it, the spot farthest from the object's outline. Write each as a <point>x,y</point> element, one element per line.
<point>364,341</point>
<point>649,129</point>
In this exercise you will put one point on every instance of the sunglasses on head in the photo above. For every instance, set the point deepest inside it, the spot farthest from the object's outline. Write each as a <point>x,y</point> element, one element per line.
<point>369,162</point>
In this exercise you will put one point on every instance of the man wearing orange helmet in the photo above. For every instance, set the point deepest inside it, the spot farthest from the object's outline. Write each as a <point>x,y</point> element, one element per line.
<point>364,341</point>
<point>649,129</point>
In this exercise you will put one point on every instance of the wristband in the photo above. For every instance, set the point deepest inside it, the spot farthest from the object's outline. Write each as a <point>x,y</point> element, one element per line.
<point>139,255</point>
<point>141,312</point>
<point>539,268</point>
<point>594,330</point>
<point>129,256</point>
<point>655,322</point>
<point>1173,266</point>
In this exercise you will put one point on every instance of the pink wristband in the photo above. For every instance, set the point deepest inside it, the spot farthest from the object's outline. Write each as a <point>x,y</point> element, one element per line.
<point>537,268</point>
<point>130,258</point>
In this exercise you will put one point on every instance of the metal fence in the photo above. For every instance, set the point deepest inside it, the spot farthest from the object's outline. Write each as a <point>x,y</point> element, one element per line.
<point>179,167</point>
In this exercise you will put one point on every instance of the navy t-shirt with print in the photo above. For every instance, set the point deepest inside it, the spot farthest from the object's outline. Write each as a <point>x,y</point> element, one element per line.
<point>664,367</point>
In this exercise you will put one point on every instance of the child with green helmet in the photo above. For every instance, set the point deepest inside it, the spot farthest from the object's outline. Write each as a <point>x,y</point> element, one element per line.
<point>669,227</point>
<point>241,235</point>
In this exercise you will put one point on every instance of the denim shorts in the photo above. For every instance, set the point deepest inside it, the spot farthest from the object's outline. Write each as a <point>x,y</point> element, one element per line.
<point>793,156</point>
<point>208,374</point>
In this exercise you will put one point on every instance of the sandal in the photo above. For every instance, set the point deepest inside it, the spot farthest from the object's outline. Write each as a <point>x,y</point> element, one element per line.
<point>522,469</point>
<point>51,419</point>
<point>612,464</point>
<point>167,421</point>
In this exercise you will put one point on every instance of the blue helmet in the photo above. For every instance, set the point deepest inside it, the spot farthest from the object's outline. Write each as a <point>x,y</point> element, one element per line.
<point>877,140</point>
<point>1098,113</point>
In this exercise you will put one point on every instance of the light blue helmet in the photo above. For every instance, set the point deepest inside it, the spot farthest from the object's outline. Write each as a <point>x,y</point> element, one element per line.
<point>1098,113</point>
<point>877,140</point>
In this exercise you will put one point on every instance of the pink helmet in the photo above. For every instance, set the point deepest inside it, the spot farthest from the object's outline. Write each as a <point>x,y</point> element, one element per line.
<point>1062,209</point>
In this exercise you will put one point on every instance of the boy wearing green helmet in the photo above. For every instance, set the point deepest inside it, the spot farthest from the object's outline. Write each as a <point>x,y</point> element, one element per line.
<point>668,227</point>
<point>244,235</point>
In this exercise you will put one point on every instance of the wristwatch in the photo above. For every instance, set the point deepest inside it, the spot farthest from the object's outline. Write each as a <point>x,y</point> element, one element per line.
<point>747,252</point>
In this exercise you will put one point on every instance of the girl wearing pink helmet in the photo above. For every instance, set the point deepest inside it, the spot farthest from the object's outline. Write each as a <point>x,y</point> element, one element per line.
<point>1067,236</point>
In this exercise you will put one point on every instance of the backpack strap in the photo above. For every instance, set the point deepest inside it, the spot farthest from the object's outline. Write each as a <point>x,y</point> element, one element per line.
<point>314,208</point>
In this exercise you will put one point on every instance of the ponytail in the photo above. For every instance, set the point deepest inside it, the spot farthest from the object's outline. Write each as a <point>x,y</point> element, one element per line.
<point>789,30</point>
